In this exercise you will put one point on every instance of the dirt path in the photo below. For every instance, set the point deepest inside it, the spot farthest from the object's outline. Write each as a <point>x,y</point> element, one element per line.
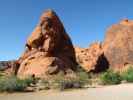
<point>117,92</point>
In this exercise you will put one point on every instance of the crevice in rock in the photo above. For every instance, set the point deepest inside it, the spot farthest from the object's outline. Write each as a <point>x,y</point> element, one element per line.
<point>102,64</point>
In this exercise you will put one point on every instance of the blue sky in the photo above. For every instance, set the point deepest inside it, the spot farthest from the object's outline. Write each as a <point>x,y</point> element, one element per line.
<point>85,21</point>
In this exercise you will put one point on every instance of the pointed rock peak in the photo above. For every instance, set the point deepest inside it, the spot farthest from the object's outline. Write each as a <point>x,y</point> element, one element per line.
<point>48,14</point>
<point>51,18</point>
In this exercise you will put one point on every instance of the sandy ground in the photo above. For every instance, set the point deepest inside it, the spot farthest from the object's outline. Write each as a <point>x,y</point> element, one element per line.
<point>116,92</point>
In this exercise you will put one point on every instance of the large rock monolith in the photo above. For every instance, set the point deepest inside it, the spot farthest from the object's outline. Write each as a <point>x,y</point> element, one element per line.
<point>49,49</point>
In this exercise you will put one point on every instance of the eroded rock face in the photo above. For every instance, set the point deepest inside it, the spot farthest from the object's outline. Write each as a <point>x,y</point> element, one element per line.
<point>118,44</point>
<point>116,51</point>
<point>48,49</point>
<point>91,58</point>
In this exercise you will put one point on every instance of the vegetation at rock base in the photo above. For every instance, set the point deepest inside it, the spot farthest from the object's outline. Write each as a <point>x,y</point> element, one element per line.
<point>79,79</point>
<point>62,82</point>
<point>84,79</point>
<point>12,83</point>
<point>128,74</point>
<point>110,78</point>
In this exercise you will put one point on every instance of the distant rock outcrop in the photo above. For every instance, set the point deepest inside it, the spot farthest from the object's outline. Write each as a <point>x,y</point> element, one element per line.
<point>5,65</point>
<point>48,49</point>
<point>9,67</point>
<point>91,58</point>
<point>118,44</point>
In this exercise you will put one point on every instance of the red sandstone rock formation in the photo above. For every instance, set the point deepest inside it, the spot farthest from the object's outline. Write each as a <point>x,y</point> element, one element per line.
<point>91,58</point>
<point>115,52</point>
<point>118,44</point>
<point>48,49</point>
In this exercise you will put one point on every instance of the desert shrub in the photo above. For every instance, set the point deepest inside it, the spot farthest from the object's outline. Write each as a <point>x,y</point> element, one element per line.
<point>51,82</point>
<point>83,77</point>
<point>67,84</point>
<point>12,83</point>
<point>61,82</point>
<point>128,75</point>
<point>110,77</point>
<point>58,82</point>
<point>2,74</point>
<point>29,80</point>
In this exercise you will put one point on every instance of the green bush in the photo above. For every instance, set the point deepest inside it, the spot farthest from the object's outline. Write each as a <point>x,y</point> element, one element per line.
<point>12,83</point>
<point>110,77</point>
<point>128,75</point>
